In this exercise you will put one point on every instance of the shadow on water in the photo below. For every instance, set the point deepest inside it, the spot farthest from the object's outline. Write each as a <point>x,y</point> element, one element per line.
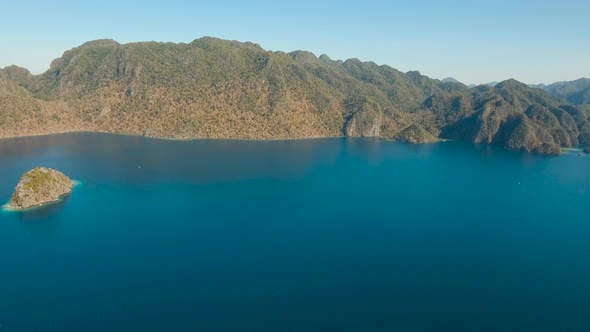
<point>42,213</point>
<point>331,234</point>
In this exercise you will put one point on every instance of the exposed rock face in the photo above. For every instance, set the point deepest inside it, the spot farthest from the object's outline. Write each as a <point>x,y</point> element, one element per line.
<point>364,124</point>
<point>416,134</point>
<point>587,149</point>
<point>40,186</point>
<point>212,88</point>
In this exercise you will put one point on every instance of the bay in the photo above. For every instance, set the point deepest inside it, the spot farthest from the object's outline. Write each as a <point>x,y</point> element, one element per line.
<point>304,235</point>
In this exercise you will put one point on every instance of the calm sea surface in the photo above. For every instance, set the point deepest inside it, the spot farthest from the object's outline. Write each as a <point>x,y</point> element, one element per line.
<point>310,235</point>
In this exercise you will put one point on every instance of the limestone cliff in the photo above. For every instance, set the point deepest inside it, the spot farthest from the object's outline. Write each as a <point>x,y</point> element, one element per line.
<point>213,88</point>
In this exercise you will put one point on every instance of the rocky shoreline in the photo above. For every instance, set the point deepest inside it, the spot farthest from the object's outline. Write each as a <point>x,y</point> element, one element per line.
<point>40,186</point>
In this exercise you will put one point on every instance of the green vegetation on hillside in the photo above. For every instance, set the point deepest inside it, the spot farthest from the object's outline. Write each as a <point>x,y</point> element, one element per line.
<point>576,92</point>
<point>227,89</point>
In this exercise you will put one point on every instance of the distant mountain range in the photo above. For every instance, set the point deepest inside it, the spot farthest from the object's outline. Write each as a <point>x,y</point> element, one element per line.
<point>213,88</point>
<point>576,92</point>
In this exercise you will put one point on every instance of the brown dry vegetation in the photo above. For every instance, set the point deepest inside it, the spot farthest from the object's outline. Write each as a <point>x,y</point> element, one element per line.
<point>214,88</point>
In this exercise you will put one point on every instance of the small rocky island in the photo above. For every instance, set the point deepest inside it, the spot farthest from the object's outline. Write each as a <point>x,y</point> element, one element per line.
<point>40,186</point>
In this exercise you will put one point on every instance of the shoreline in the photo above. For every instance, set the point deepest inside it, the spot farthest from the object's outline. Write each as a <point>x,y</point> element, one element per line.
<point>564,150</point>
<point>6,137</point>
<point>9,208</point>
<point>181,139</point>
<point>168,138</point>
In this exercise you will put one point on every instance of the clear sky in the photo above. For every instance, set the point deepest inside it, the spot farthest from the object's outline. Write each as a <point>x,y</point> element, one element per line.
<point>474,41</point>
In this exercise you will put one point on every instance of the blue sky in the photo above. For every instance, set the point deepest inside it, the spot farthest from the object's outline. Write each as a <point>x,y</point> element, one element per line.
<point>473,41</point>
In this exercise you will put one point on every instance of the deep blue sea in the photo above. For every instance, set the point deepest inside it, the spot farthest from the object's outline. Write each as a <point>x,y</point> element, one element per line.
<point>306,235</point>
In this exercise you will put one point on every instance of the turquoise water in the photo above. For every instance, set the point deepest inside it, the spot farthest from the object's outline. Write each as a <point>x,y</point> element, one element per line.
<point>311,235</point>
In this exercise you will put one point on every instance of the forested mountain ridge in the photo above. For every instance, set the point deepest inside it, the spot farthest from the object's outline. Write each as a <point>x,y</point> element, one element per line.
<point>212,88</point>
<point>576,92</point>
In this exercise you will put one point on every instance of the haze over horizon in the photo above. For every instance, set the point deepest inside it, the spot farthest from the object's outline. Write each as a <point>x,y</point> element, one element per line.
<point>529,41</point>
